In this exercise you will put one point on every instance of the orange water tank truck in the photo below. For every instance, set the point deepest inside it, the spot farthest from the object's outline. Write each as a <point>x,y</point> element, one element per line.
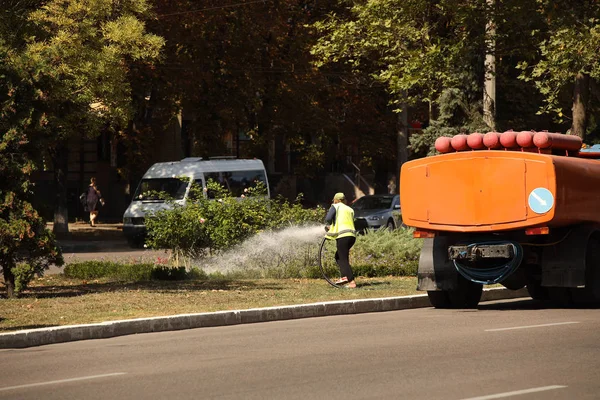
<point>517,208</point>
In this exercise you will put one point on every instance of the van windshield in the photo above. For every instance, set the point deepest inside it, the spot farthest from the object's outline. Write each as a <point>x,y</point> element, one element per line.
<point>160,189</point>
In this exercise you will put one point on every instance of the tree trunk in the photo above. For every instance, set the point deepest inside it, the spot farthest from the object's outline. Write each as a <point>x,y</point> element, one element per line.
<point>61,212</point>
<point>402,138</point>
<point>489,88</point>
<point>581,96</point>
<point>9,280</point>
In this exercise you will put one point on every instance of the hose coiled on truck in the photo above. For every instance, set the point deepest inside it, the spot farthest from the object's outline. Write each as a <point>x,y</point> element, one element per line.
<point>495,274</point>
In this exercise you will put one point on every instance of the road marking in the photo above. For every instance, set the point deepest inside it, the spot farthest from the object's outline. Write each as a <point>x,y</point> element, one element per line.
<point>531,326</point>
<point>516,393</point>
<point>83,378</point>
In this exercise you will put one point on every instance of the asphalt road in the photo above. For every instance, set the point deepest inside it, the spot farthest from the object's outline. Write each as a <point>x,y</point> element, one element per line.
<point>507,349</point>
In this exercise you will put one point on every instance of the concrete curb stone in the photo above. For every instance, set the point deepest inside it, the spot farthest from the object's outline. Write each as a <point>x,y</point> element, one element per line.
<point>103,330</point>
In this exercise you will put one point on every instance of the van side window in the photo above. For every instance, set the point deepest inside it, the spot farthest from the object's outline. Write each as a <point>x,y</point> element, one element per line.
<point>196,190</point>
<point>236,181</point>
<point>160,189</point>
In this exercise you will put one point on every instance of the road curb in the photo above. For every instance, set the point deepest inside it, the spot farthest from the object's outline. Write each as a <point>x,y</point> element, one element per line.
<point>69,333</point>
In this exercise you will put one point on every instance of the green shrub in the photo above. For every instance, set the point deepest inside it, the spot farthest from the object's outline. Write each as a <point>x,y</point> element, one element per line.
<point>119,272</point>
<point>203,226</point>
<point>24,273</point>
<point>133,272</point>
<point>90,269</point>
<point>167,273</point>
<point>291,254</point>
<point>196,273</point>
<point>284,254</point>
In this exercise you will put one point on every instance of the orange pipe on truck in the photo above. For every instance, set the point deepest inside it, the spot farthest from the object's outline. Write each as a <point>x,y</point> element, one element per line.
<point>508,139</point>
<point>442,144</point>
<point>546,140</point>
<point>491,140</point>
<point>459,143</point>
<point>525,139</point>
<point>475,141</point>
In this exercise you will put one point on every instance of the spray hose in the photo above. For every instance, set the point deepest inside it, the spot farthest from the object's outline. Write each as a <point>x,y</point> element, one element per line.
<point>495,274</point>
<point>322,255</point>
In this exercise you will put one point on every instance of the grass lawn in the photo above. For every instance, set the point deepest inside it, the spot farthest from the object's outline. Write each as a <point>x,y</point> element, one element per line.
<point>54,300</point>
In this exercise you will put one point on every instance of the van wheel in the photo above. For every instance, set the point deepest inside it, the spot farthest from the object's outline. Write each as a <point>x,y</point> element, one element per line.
<point>135,242</point>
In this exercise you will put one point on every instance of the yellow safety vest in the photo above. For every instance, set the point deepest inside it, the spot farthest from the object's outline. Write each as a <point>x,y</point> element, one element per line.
<point>343,225</point>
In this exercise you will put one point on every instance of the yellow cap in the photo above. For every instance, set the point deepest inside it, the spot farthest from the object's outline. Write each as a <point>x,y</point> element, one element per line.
<point>339,196</point>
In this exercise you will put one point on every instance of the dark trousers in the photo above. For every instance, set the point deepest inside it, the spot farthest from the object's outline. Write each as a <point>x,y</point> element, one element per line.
<point>342,256</point>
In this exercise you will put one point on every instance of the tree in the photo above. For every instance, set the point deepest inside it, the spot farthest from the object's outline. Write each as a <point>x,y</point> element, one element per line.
<point>567,59</point>
<point>77,55</point>
<point>26,246</point>
<point>417,49</point>
<point>63,70</point>
<point>246,70</point>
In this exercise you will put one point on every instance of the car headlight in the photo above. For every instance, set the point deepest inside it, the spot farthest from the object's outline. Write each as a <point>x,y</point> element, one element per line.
<point>375,217</point>
<point>127,220</point>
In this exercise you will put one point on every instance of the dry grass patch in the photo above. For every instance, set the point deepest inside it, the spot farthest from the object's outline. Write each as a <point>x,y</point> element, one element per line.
<point>55,300</point>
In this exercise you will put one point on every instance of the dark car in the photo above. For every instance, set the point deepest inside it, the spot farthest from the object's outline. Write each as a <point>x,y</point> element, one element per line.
<point>376,211</point>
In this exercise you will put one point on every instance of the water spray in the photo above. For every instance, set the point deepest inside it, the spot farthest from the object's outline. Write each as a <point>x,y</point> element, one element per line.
<point>271,246</point>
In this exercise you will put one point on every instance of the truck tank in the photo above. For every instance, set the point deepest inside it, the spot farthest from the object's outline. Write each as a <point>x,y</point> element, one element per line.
<point>517,208</point>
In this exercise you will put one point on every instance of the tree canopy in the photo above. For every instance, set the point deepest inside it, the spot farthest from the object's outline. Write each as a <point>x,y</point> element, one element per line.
<point>64,66</point>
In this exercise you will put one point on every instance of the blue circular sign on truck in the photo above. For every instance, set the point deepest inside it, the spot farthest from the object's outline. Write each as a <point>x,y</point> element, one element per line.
<point>541,200</point>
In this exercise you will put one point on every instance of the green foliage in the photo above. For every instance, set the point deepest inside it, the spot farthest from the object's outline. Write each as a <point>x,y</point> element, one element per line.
<point>456,115</point>
<point>384,252</point>
<point>377,253</point>
<point>417,49</point>
<point>167,273</point>
<point>24,239</point>
<point>207,225</point>
<point>24,273</point>
<point>126,272</point>
<point>63,71</point>
<point>567,45</point>
<point>89,269</point>
<point>79,56</point>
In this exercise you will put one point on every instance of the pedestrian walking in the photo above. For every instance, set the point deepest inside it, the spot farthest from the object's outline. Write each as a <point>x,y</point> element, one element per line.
<point>93,200</point>
<point>340,227</point>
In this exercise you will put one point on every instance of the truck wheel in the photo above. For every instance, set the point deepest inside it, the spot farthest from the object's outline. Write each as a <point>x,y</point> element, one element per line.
<point>537,291</point>
<point>560,296</point>
<point>439,298</point>
<point>466,295</point>
<point>592,268</point>
<point>591,292</point>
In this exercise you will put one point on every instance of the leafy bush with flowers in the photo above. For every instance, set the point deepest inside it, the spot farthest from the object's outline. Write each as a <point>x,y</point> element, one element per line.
<point>217,221</point>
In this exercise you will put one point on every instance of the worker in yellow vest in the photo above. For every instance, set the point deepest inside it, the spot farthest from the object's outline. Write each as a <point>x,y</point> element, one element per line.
<point>340,226</point>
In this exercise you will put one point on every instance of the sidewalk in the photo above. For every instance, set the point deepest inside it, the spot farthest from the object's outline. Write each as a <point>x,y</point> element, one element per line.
<point>84,238</point>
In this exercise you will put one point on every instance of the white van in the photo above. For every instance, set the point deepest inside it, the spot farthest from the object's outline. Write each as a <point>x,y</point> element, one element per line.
<point>235,174</point>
